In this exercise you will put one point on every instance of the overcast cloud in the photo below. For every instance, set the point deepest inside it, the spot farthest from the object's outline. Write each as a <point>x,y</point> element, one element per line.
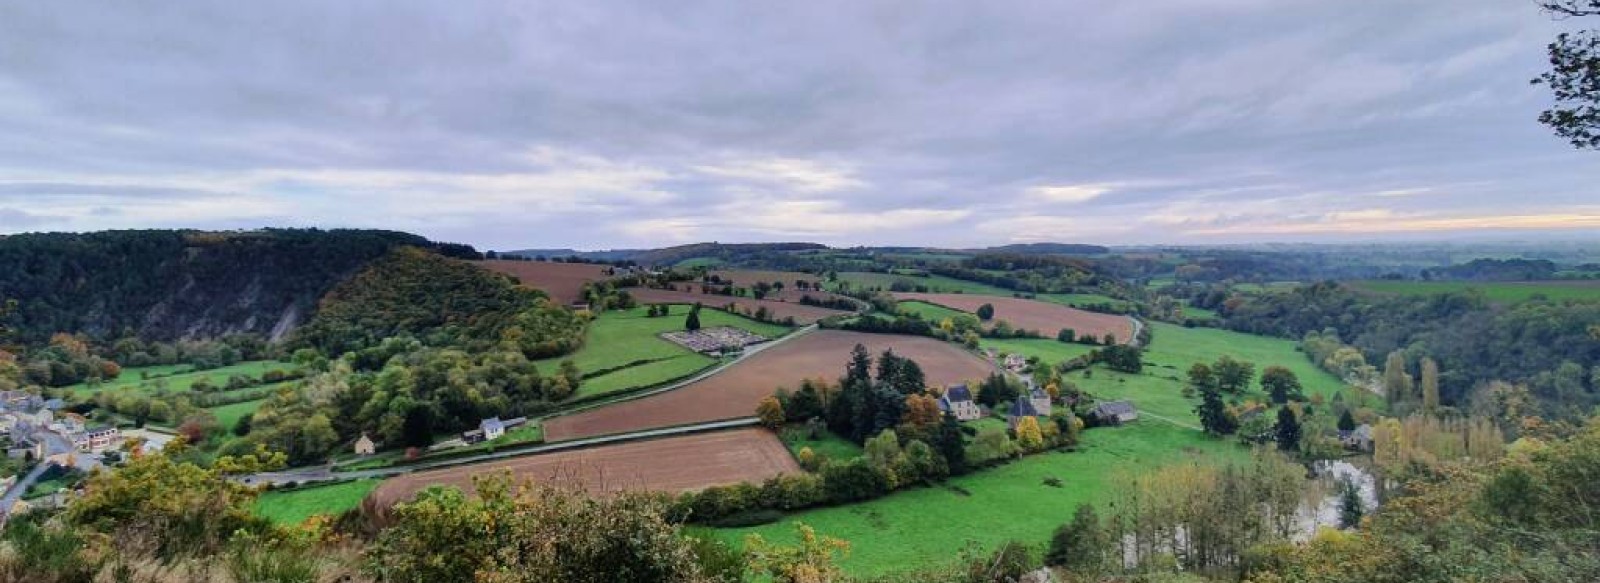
<point>605,124</point>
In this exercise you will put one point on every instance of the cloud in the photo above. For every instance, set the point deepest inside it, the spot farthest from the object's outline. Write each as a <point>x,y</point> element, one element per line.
<point>637,123</point>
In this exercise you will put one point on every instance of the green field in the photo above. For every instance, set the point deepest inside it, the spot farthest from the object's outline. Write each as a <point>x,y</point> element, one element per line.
<point>826,444</point>
<point>289,507</point>
<point>1198,313</point>
<point>1509,292</point>
<point>228,415</point>
<point>1080,300</point>
<point>1049,350</point>
<point>930,312</point>
<point>1158,389</point>
<point>935,283</point>
<point>925,526</point>
<point>177,378</point>
<point>620,337</point>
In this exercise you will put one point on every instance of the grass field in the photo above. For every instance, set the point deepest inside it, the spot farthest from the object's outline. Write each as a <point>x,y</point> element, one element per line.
<point>1081,300</point>
<point>289,507</point>
<point>177,377</point>
<point>622,336</point>
<point>935,283</point>
<point>930,312</point>
<point>921,527</point>
<point>1509,292</point>
<point>228,415</point>
<point>1049,350</point>
<point>796,437</point>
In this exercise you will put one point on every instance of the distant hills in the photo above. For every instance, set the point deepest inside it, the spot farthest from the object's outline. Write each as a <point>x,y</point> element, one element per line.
<point>732,252</point>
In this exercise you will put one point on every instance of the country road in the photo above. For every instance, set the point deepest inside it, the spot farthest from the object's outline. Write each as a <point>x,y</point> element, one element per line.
<point>325,473</point>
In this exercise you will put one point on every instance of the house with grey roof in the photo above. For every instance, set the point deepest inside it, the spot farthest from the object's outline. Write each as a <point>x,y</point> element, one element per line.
<point>957,401</point>
<point>1022,407</point>
<point>1115,412</point>
<point>1040,400</point>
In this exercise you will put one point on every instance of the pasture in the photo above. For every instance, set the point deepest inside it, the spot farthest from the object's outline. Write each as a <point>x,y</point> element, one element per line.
<point>1045,318</point>
<point>801,313</point>
<point>291,507</point>
<point>229,415</point>
<point>1081,300</point>
<point>624,352</point>
<point>934,283</point>
<point>562,281</point>
<point>920,527</point>
<point>1049,350</point>
<point>176,378</point>
<point>670,464</point>
<point>734,393</point>
<point>1501,292</point>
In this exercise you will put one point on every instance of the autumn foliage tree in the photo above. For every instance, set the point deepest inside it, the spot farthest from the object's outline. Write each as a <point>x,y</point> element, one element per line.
<point>770,411</point>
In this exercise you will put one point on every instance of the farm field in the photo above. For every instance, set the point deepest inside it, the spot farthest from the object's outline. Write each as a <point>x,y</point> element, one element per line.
<point>563,281</point>
<point>619,337</point>
<point>1080,300</point>
<point>1046,318</point>
<point>1158,389</point>
<point>229,415</point>
<point>672,464</point>
<point>176,378</point>
<point>915,528</point>
<point>797,437</point>
<point>289,507</point>
<point>930,312</point>
<point>1049,350</point>
<point>1508,292</point>
<point>734,393</point>
<point>935,283</point>
<point>802,314</point>
<point>750,277</point>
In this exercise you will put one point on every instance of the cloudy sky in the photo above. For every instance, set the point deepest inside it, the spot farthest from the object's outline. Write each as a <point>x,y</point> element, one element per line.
<point>606,124</point>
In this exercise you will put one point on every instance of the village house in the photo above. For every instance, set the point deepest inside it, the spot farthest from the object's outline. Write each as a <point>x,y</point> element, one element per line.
<point>491,429</point>
<point>1015,363</point>
<point>1021,408</point>
<point>97,438</point>
<point>957,401</point>
<point>1041,401</point>
<point>22,447</point>
<point>1115,412</point>
<point>1358,439</point>
<point>365,446</point>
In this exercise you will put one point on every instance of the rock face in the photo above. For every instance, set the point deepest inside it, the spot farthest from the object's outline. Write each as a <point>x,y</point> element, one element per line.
<point>174,285</point>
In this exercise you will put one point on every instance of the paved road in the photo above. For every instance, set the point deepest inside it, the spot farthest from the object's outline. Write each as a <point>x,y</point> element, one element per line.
<point>15,493</point>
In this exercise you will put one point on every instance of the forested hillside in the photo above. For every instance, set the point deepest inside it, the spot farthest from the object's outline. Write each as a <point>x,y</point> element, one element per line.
<point>170,285</point>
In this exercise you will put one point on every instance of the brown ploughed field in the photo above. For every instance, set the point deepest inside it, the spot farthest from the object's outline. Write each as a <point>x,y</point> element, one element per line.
<point>1046,318</point>
<point>563,281</point>
<point>670,464</point>
<point>802,314</point>
<point>735,392</point>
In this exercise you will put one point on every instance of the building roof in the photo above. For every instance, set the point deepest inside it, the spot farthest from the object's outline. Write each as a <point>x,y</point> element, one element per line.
<point>1023,408</point>
<point>492,423</point>
<point>1114,408</point>
<point>1038,393</point>
<point>958,393</point>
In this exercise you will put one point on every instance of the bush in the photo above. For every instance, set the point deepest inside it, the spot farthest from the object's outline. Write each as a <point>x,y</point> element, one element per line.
<point>747,518</point>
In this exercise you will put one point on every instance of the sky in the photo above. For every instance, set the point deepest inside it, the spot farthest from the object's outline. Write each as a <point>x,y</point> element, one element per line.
<point>596,125</point>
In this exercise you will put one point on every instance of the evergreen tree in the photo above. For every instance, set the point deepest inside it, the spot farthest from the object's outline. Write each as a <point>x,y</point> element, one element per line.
<point>1214,415</point>
<point>417,429</point>
<point>860,367</point>
<point>692,322</point>
<point>986,312</point>
<point>1347,422</point>
<point>1351,508</point>
<point>1430,384</point>
<point>950,444</point>
<point>1287,430</point>
<point>1079,546</point>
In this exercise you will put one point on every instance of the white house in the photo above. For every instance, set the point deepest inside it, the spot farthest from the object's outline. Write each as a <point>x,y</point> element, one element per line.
<point>365,446</point>
<point>957,400</point>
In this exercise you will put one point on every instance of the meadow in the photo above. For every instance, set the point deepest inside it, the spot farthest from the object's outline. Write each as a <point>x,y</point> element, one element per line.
<point>1508,292</point>
<point>935,283</point>
<point>1081,300</point>
<point>930,312</point>
<point>921,527</point>
<point>621,337</point>
<point>228,415</point>
<point>797,437</point>
<point>290,507</point>
<point>176,377</point>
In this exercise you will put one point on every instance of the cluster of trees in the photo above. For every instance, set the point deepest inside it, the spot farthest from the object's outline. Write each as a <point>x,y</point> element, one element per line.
<point>1548,345</point>
<point>173,284</point>
<point>443,303</point>
<point>830,302</point>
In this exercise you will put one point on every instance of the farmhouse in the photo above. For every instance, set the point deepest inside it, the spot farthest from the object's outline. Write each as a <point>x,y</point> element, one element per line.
<point>957,400</point>
<point>365,446</point>
<point>1020,408</point>
<point>1358,439</point>
<point>1015,363</point>
<point>22,447</point>
<point>491,428</point>
<point>1115,412</point>
<point>1040,401</point>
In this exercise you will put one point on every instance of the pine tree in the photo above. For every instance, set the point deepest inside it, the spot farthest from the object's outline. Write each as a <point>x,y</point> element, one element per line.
<point>860,367</point>
<point>1079,546</point>
<point>1347,422</point>
<point>1287,430</point>
<point>1351,507</point>
<point>1214,415</point>
<point>950,444</point>
<point>692,322</point>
